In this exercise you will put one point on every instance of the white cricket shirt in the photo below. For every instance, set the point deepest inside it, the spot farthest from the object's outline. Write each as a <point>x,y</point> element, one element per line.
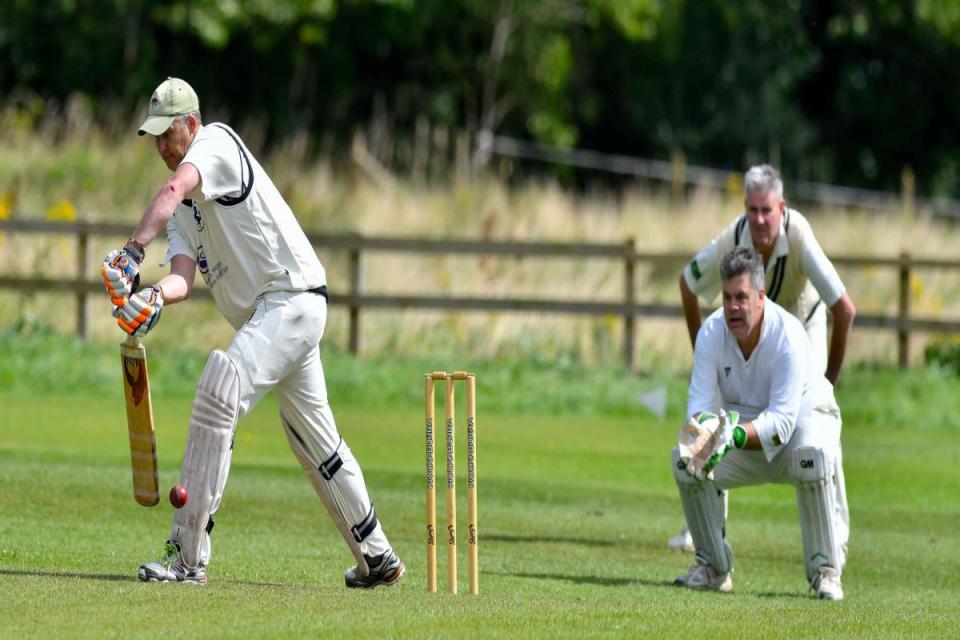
<point>798,275</point>
<point>238,228</point>
<point>773,389</point>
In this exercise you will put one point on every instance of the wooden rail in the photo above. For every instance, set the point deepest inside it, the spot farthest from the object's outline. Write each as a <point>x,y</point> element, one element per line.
<point>628,307</point>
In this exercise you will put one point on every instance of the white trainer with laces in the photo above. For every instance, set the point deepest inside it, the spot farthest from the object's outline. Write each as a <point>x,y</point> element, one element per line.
<point>827,585</point>
<point>703,577</point>
<point>683,541</point>
<point>171,568</point>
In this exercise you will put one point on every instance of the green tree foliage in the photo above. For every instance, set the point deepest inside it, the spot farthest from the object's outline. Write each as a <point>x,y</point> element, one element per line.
<point>839,90</point>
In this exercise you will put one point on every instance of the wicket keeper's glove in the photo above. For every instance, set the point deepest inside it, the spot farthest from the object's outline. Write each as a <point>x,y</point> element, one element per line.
<point>121,271</point>
<point>726,435</point>
<point>141,313</point>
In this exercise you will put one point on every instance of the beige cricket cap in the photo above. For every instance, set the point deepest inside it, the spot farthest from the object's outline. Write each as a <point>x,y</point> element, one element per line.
<point>172,98</point>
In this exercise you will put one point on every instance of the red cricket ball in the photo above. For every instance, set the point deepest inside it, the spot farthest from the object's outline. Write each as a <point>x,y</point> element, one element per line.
<point>178,496</point>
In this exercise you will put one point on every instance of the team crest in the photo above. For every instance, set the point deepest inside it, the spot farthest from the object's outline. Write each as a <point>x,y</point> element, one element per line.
<point>201,259</point>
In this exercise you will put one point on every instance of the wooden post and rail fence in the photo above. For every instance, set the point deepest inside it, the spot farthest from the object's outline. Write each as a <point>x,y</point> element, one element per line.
<point>629,308</point>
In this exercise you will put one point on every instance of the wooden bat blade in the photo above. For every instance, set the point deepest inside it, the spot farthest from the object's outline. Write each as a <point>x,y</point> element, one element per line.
<point>143,439</point>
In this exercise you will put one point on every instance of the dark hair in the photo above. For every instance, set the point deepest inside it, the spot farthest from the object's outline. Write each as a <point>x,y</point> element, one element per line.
<point>743,260</point>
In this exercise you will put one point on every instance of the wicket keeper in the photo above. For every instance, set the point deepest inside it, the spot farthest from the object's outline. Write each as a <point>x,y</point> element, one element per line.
<point>779,422</point>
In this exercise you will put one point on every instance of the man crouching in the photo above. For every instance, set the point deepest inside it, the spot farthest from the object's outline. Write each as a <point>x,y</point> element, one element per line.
<point>779,423</point>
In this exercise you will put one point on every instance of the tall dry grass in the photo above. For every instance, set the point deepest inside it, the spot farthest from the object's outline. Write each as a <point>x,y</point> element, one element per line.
<point>108,173</point>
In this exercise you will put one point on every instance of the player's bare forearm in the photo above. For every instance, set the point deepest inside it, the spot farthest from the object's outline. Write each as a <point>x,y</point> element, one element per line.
<point>164,203</point>
<point>178,284</point>
<point>753,438</point>
<point>843,314</point>
<point>691,310</point>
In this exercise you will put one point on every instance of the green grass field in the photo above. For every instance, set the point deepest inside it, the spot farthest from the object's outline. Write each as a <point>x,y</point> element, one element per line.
<point>576,504</point>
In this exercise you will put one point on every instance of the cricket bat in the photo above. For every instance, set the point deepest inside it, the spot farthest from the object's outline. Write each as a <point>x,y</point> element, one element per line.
<point>143,438</point>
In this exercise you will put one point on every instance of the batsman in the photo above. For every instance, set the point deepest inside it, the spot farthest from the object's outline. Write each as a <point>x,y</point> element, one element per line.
<point>224,217</point>
<point>778,422</point>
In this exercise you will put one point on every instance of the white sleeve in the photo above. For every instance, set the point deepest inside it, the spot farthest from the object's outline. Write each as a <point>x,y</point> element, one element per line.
<point>776,423</point>
<point>704,379</point>
<point>176,244</point>
<point>702,274</point>
<point>821,272</point>
<point>220,160</point>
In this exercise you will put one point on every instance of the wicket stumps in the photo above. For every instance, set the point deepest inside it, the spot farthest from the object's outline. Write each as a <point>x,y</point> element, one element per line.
<point>473,555</point>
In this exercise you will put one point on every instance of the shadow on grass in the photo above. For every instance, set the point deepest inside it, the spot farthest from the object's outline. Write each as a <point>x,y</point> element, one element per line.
<point>68,574</point>
<point>606,581</point>
<point>783,594</point>
<point>603,581</point>
<point>123,578</point>
<point>587,542</point>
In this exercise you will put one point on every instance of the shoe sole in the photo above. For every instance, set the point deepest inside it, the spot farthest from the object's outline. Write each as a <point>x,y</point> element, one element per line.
<point>720,588</point>
<point>158,581</point>
<point>148,579</point>
<point>385,581</point>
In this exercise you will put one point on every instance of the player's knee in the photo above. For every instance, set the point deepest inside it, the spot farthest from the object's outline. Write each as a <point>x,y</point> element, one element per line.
<point>217,399</point>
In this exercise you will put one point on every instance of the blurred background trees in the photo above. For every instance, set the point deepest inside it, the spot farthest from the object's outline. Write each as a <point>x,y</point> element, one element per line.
<point>845,91</point>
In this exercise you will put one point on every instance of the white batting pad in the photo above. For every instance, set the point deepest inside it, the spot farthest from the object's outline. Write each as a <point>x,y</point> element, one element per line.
<point>206,461</point>
<point>703,506</point>
<point>812,470</point>
<point>339,482</point>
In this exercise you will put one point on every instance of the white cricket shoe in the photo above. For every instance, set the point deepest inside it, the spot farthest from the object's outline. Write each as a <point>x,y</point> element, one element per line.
<point>826,584</point>
<point>703,577</point>
<point>683,541</point>
<point>171,568</point>
<point>385,569</point>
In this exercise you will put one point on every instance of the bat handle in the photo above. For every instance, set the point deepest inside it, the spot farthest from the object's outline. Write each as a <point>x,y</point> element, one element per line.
<point>132,342</point>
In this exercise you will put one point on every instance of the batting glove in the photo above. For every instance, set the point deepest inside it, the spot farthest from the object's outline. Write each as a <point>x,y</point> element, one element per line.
<point>141,313</point>
<point>121,271</point>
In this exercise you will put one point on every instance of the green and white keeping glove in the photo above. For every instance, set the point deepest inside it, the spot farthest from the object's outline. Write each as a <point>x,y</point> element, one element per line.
<point>707,438</point>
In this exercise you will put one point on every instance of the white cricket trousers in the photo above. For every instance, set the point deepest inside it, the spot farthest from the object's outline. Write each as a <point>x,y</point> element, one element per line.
<point>278,349</point>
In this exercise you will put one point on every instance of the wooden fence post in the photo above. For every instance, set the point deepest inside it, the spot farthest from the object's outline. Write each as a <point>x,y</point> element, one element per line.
<point>356,284</point>
<point>83,259</point>
<point>629,298</point>
<point>903,331</point>
<point>678,175</point>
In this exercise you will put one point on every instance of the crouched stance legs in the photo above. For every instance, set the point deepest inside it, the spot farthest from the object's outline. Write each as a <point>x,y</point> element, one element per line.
<point>703,507</point>
<point>813,472</point>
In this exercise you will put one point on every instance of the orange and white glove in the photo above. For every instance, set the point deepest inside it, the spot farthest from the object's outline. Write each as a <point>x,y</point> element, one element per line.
<point>141,313</point>
<point>121,271</point>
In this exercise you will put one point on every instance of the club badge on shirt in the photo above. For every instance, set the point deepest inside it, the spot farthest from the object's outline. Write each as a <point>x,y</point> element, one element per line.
<point>211,275</point>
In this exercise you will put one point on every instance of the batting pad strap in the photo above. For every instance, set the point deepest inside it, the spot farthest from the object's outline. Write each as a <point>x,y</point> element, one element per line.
<point>331,466</point>
<point>366,527</point>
